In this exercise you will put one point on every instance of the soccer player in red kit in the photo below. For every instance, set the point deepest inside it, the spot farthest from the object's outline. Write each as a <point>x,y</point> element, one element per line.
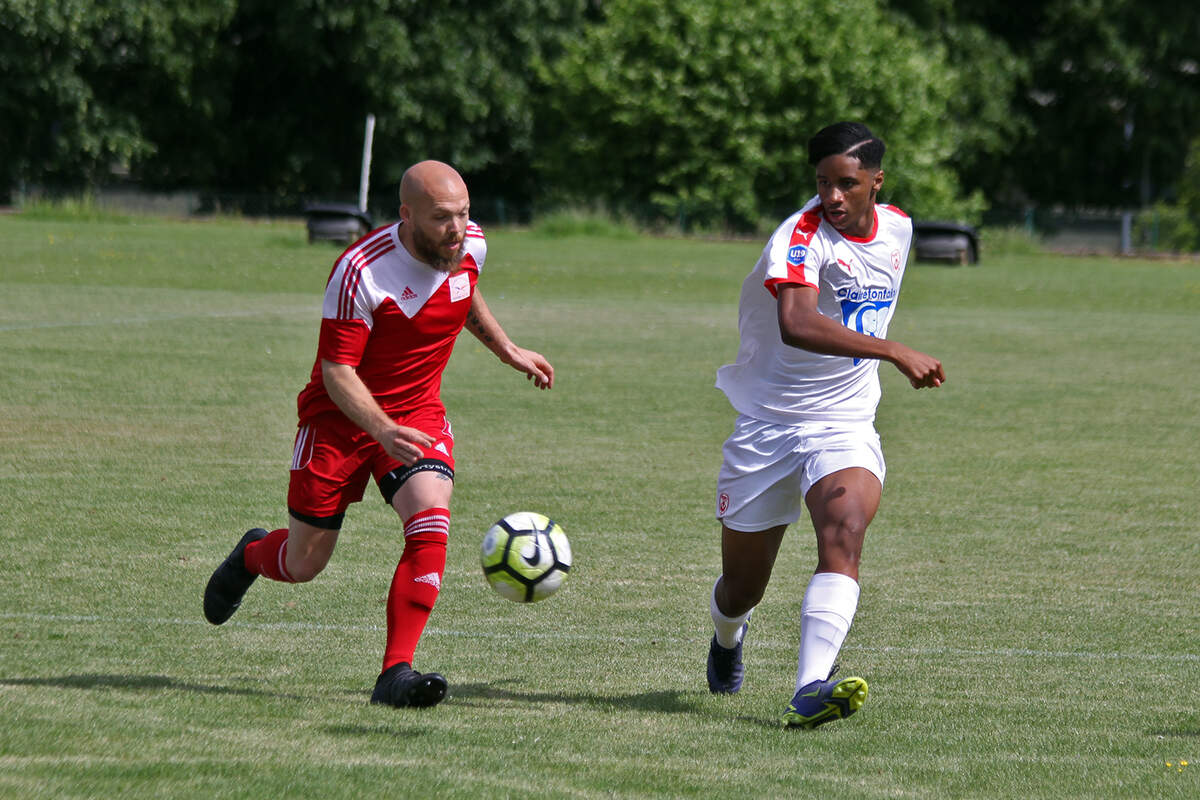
<point>394,305</point>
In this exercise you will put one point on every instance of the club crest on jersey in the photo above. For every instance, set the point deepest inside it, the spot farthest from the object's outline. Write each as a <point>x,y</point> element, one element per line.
<point>895,259</point>
<point>796,254</point>
<point>460,286</point>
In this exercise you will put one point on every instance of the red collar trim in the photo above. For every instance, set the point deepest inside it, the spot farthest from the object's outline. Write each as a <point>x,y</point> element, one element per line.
<point>869,237</point>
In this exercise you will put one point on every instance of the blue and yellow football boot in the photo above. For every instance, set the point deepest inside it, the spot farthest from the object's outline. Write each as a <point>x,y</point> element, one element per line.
<point>824,701</point>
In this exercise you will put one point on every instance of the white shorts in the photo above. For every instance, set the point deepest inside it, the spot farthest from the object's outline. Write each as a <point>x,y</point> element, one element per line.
<point>769,468</point>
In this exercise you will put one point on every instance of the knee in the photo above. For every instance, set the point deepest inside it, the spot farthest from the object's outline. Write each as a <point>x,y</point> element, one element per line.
<point>843,538</point>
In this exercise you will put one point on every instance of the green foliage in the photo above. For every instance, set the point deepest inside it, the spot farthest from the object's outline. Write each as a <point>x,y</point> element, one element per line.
<point>469,96</point>
<point>81,208</point>
<point>1166,227</point>
<point>1189,181</point>
<point>1174,227</point>
<point>1112,96</point>
<point>690,113</point>
<point>270,96</point>
<point>697,111</point>
<point>448,81</point>
<point>579,222</point>
<point>1010,241</point>
<point>987,75</point>
<point>86,83</point>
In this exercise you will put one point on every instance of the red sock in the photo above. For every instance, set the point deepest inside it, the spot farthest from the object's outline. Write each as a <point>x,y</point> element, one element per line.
<point>267,555</point>
<point>416,583</point>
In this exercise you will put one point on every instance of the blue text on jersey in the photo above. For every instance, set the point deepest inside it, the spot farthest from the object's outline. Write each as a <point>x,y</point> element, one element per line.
<point>866,310</point>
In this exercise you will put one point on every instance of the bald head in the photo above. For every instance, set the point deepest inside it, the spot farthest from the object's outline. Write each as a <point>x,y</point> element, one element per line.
<point>430,180</point>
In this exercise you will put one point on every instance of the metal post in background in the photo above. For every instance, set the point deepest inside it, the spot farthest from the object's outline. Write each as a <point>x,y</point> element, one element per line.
<point>364,180</point>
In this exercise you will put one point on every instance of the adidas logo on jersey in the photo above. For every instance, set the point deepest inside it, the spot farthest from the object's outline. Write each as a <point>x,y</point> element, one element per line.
<point>407,294</point>
<point>431,578</point>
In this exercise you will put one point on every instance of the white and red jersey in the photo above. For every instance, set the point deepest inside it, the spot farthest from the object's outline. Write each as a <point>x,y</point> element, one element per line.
<point>395,320</point>
<point>857,281</point>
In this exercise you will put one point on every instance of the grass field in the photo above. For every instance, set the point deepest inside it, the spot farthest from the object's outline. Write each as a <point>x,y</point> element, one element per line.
<point>1029,616</point>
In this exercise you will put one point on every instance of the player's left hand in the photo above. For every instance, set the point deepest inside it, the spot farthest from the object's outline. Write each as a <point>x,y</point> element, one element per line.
<point>534,365</point>
<point>923,371</point>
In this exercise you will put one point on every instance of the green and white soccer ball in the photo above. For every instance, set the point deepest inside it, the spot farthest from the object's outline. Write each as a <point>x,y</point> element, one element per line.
<point>526,557</point>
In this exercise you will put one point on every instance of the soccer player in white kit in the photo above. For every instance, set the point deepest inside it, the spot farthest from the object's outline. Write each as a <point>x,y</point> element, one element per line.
<point>813,318</point>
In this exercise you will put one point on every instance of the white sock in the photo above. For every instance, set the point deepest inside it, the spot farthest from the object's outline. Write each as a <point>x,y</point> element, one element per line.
<point>829,605</point>
<point>729,629</point>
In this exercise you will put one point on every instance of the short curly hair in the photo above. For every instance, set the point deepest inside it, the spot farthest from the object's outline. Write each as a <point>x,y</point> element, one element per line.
<point>851,139</point>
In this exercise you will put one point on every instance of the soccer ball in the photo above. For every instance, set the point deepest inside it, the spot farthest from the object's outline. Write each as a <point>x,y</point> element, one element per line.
<point>526,557</point>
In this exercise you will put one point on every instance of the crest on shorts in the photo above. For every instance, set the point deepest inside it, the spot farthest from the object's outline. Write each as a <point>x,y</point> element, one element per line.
<point>722,504</point>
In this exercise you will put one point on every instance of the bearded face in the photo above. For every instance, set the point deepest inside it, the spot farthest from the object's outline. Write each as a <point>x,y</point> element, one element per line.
<point>441,248</point>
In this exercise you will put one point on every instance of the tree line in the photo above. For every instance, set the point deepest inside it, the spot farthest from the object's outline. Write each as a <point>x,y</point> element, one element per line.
<point>695,111</point>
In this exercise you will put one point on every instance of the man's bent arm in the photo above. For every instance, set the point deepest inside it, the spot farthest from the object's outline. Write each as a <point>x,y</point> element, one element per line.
<point>802,325</point>
<point>352,396</point>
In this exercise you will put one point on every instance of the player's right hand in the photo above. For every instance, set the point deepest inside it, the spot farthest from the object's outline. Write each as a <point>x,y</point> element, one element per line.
<point>404,444</point>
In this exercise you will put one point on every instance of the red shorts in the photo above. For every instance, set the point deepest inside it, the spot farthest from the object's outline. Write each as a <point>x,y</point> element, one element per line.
<point>333,459</point>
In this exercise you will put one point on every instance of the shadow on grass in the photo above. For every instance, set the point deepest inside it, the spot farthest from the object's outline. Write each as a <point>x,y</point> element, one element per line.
<point>138,683</point>
<point>1177,726</point>
<point>663,702</point>
<point>671,702</point>
<point>1176,733</point>
<point>770,723</point>
<point>383,730</point>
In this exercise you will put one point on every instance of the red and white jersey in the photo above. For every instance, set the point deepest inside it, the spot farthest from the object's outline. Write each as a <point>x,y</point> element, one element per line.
<point>394,319</point>
<point>857,281</point>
